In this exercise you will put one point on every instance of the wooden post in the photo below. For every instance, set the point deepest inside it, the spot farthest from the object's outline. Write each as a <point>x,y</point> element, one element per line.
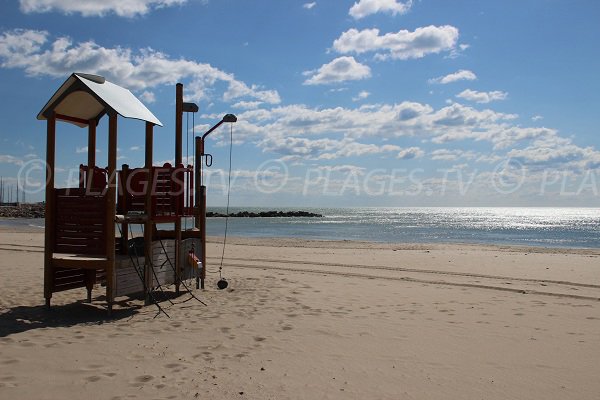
<point>49,222</point>
<point>178,161</point>
<point>198,194</point>
<point>148,225</point>
<point>178,123</point>
<point>122,195</point>
<point>203,233</point>
<point>111,209</point>
<point>91,143</point>
<point>198,179</point>
<point>91,163</point>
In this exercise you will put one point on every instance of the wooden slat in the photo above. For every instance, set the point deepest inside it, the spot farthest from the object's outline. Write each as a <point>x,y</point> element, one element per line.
<point>80,218</point>
<point>83,229</point>
<point>78,261</point>
<point>73,240</point>
<point>77,273</point>
<point>95,248</point>
<point>77,249</point>
<point>70,286</point>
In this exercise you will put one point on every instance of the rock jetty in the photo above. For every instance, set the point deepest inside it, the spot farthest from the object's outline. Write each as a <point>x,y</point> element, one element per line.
<point>23,210</point>
<point>36,210</point>
<point>266,214</point>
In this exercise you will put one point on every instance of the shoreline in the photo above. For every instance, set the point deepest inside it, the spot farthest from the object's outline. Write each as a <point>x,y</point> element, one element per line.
<point>350,242</point>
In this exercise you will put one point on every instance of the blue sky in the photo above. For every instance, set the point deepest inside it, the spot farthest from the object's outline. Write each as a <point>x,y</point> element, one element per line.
<point>339,103</point>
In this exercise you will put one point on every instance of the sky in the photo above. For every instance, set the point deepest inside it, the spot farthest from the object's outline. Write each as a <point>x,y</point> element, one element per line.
<point>385,103</point>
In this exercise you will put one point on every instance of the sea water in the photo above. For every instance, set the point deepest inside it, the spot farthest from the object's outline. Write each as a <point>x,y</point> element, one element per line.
<point>549,227</point>
<point>545,227</point>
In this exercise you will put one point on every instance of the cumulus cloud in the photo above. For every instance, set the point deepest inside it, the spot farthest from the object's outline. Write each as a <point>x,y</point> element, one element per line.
<point>553,151</point>
<point>482,97</point>
<point>452,155</point>
<point>299,133</point>
<point>140,70</point>
<point>364,8</point>
<point>84,149</point>
<point>308,6</point>
<point>461,75</point>
<point>339,70</point>
<point>90,8</point>
<point>361,95</point>
<point>294,148</point>
<point>8,159</point>
<point>344,169</point>
<point>409,153</point>
<point>148,96</point>
<point>247,105</point>
<point>401,45</point>
<point>380,121</point>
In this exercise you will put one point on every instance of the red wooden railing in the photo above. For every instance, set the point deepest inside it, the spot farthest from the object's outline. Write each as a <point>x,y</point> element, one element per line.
<point>172,191</point>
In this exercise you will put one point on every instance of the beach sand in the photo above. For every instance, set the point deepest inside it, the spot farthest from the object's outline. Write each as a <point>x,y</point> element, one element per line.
<point>316,320</point>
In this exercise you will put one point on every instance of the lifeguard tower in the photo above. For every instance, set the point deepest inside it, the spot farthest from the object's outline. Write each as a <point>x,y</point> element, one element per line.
<point>82,247</point>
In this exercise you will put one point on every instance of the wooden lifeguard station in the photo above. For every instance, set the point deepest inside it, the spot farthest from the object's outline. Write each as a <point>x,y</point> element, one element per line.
<point>82,247</point>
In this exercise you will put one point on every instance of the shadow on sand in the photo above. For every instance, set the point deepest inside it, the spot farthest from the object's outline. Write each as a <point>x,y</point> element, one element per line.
<point>24,318</point>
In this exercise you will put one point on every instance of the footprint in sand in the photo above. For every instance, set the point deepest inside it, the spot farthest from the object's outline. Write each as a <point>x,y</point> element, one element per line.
<point>144,378</point>
<point>8,381</point>
<point>259,338</point>
<point>175,367</point>
<point>93,378</point>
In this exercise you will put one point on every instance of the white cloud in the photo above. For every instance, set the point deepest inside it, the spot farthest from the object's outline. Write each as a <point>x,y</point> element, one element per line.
<point>553,151</point>
<point>298,148</point>
<point>401,45</point>
<point>346,168</point>
<point>452,155</point>
<point>537,118</point>
<point>383,121</point>
<point>248,105</point>
<point>148,97</point>
<point>84,149</point>
<point>409,153</point>
<point>482,97</point>
<point>361,95</point>
<point>367,7</point>
<point>308,6</point>
<point>339,70</point>
<point>135,148</point>
<point>89,8</point>
<point>8,159</point>
<point>299,133</point>
<point>463,74</point>
<point>136,70</point>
